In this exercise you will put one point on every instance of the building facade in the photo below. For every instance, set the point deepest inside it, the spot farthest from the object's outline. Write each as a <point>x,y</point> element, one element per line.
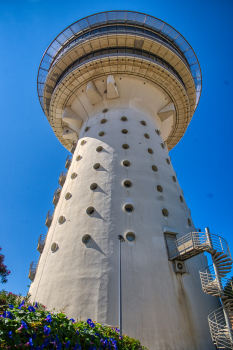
<point>119,90</point>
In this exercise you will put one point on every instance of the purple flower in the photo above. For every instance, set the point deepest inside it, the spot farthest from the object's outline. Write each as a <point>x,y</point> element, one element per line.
<point>47,330</point>
<point>24,325</point>
<point>11,306</point>
<point>48,318</point>
<point>92,325</point>
<point>72,320</point>
<point>89,321</point>
<point>58,346</point>
<point>31,309</point>
<point>46,342</point>
<point>9,334</point>
<point>22,304</point>
<point>7,314</point>
<point>67,344</point>
<point>30,342</point>
<point>36,305</point>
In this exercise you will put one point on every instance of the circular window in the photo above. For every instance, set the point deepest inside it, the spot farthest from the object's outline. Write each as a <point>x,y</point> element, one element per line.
<point>181,199</point>
<point>61,219</point>
<point>78,158</point>
<point>150,151</point>
<point>99,149</point>
<point>159,188</point>
<point>90,211</point>
<point>165,212</point>
<point>96,166</point>
<point>162,145</point>
<point>68,195</point>
<point>130,236</point>
<point>125,146</point>
<point>189,222</point>
<point>103,121</point>
<point>143,122</point>
<point>83,142</point>
<point>174,178</point>
<point>168,161</point>
<point>146,136</point>
<point>124,119</point>
<point>154,168</point>
<point>126,163</point>
<point>128,208</point>
<point>86,239</point>
<point>127,183</point>
<point>54,247</point>
<point>124,131</point>
<point>73,176</point>
<point>101,133</point>
<point>158,132</point>
<point>87,128</point>
<point>105,110</point>
<point>94,186</point>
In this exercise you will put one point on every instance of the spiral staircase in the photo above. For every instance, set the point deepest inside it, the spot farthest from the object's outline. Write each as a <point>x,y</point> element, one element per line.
<point>213,279</point>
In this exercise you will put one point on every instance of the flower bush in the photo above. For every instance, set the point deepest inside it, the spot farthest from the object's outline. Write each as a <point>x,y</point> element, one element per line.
<point>27,326</point>
<point>4,272</point>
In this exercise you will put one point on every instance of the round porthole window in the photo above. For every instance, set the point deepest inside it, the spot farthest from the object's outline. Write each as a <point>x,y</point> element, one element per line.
<point>86,239</point>
<point>96,166</point>
<point>124,131</point>
<point>143,122</point>
<point>165,212</point>
<point>168,161</point>
<point>127,183</point>
<point>146,136</point>
<point>99,149</point>
<point>94,186</point>
<point>159,188</point>
<point>181,199</point>
<point>154,168</point>
<point>158,132</point>
<point>61,219</point>
<point>162,145</point>
<point>125,146</point>
<point>150,151</point>
<point>130,236</point>
<point>78,158</point>
<point>101,133</point>
<point>90,211</point>
<point>126,163</point>
<point>124,119</point>
<point>87,128</point>
<point>103,121</point>
<point>54,247</point>
<point>83,142</point>
<point>73,176</point>
<point>128,208</point>
<point>174,178</point>
<point>105,110</point>
<point>68,195</point>
<point>189,222</point>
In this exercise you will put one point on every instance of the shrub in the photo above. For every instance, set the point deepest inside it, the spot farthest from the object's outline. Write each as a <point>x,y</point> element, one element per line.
<point>4,272</point>
<point>27,326</point>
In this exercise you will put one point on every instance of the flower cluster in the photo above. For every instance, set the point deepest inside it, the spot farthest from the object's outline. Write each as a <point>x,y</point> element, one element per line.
<point>26,326</point>
<point>4,272</point>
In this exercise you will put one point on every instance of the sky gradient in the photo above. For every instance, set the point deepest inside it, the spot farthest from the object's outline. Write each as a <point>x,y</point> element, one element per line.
<point>32,156</point>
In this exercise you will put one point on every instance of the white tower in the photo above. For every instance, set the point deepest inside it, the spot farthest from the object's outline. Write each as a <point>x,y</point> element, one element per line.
<point>123,86</point>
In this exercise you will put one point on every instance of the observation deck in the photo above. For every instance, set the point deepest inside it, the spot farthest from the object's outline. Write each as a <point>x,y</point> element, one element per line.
<point>118,43</point>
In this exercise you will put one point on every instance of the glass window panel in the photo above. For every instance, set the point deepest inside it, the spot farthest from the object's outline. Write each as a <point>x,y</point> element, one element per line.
<point>102,17</point>
<point>68,33</point>
<point>147,32</point>
<point>137,52</point>
<point>55,45</point>
<point>103,29</point>
<point>166,29</point>
<point>82,60</point>
<point>113,28</point>
<point>179,40</point>
<point>113,50</point>
<point>159,60</point>
<point>105,51</point>
<point>140,18</point>
<point>83,23</point>
<point>129,50</point>
<point>121,15</point>
<point>141,30</point>
<point>92,20</point>
<point>75,27</point>
<point>90,55</point>
<point>45,65</point>
<point>121,27</point>
<point>95,31</point>
<point>51,51</point>
<point>173,34</point>
<point>111,16</point>
<point>121,50</point>
<point>145,54</point>
<point>149,21</point>
<point>189,53</point>
<point>158,24</point>
<point>97,53</point>
<point>185,46</point>
<point>61,39</point>
<point>47,58</point>
<point>131,16</point>
<point>192,60</point>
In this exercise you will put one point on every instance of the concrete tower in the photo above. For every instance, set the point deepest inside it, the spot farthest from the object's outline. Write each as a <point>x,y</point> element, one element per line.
<point>119,90</point>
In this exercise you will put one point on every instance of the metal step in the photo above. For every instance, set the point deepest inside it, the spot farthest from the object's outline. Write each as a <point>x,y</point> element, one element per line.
<point>221,257</point>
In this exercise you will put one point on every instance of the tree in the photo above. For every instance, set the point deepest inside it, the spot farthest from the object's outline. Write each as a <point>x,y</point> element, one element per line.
<point>4,272</point>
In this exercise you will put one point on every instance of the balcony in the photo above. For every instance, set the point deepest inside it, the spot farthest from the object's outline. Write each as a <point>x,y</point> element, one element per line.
<point>56,195</point>
<point>73,147</point>
<point>32,270</point>
<point>68,161</point>
<point>41,242</point>
<point>62,178</point>
<point>49,218</point>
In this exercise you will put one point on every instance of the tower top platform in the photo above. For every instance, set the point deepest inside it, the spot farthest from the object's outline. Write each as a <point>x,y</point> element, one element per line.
<point>132,35</point>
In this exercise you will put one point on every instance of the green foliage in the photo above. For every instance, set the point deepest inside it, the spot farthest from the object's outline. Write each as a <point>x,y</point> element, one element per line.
<point>228,290</point>
<point>24,326</point>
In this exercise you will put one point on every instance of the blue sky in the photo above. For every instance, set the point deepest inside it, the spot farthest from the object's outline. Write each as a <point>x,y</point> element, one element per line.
<point>33,158</point>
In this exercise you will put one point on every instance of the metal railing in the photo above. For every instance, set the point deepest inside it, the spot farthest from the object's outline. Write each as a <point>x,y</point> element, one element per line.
<point>212,284</point>
<point>68,161</point>
<point>32,270</point>
<point>221,335</point>
<point>56,195</point>
<point>41,239</point>
<point>62,178</point>
<point>49,218</point>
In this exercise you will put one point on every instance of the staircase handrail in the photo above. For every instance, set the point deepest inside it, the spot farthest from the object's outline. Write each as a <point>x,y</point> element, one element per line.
<point>220,333</point>
<point>41,239</point>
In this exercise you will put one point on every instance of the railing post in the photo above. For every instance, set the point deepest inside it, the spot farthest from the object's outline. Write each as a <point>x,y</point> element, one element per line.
<point>218,278</point>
